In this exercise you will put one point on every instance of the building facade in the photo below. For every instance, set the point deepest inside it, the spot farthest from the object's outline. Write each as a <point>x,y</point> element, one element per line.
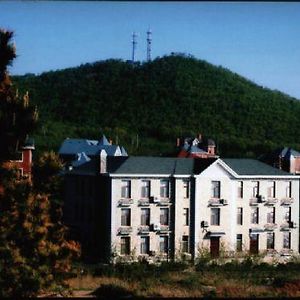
<point>159,208</point>
<point>245,205</point>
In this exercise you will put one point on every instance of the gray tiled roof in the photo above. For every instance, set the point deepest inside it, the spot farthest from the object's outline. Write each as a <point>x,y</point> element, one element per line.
<point>252,167</point>
<point>155,165</point>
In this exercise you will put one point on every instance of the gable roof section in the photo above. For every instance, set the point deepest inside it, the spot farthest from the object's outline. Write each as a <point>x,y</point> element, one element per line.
<point>252,167</point>
<point>154,165</point>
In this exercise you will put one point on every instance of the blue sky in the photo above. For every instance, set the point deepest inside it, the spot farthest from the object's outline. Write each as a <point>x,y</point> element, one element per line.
<point>259,41</point>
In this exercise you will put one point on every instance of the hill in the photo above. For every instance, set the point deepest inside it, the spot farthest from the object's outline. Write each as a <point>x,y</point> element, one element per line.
<point>145,106</point>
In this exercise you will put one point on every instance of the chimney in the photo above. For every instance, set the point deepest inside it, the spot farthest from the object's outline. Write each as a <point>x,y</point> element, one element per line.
<point>178,142</point>
<point>199,137</point>
<point>103,162</point>
<point>110,141</point>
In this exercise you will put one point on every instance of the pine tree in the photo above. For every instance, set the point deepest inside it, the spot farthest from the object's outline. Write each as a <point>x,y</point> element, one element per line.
<point>34,252</point>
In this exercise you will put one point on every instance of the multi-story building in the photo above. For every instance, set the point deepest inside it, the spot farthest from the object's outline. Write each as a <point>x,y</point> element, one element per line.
<point>160,208</point>
<point>243,204</point>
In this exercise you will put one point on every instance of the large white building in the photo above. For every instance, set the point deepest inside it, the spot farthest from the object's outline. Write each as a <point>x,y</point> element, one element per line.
<point>162,208</point>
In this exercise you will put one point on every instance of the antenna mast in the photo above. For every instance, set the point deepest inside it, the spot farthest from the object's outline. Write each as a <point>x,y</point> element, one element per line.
<point>134,42</point>
<point>149,40</point>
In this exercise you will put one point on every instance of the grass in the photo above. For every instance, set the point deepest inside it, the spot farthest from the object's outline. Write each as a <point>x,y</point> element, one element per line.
<point>235,279</point>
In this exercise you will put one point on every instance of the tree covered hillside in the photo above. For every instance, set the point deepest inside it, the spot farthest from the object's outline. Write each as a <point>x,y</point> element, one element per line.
<point>145,106</point>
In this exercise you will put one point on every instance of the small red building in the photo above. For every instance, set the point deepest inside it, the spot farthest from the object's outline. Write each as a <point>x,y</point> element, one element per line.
<point>24,161</point>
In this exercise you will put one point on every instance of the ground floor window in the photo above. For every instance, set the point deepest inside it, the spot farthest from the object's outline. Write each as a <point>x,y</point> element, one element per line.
<point>145,245</point>
<point>185,244</point>
<point>125,245</point>
<point>270,240</point>
<point>239,242</point>
<point>163,244</point>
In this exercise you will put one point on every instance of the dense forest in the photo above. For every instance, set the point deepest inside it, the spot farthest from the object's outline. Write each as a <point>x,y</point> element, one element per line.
<point>145,106</point>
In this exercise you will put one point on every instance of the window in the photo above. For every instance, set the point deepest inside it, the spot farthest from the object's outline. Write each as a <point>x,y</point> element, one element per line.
<point>240,189</point>
<point>186,188</point>
<point>240,216</point>
<point>215,216</point>
<point>185,244</point>
<point>125,217</point>
<point>186,216</point>
<point>145,192</point>
<point>125,245</point>
<point>215,189</point>
<point>254,215</point>
<point>289,189</point>
<point>255,191</point>
<point>163,244</point>
<point>239,242</point>
<point>272,189</point>
<point>164,216</point>
<point>144,244</point>
<point>164,188</point>
<point>287,215</point>
<point>270,240</point>
<point>286,240</point>
<point>145,216</point>
<point>126,189</point>
<point>271,215</point>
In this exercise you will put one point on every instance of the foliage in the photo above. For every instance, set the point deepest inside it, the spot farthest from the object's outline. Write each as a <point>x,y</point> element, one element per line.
<point>147,105</point>
<point>34,251</point>
<point>17,117</point>
<point>248,278</point>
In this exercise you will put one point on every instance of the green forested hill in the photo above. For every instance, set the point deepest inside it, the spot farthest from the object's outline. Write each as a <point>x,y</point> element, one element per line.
<point>147,105</point>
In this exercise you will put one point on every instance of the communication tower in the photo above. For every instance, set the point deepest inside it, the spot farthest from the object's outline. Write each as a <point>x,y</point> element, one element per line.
<point>149,40</point>
<point>134,42</point>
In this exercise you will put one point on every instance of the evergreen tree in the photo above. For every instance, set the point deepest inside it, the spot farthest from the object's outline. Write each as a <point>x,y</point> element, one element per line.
<point>34,252</point>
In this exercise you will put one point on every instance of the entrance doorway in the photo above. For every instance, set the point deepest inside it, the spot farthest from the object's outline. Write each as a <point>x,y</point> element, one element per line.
<point>254,238</point>
<point>215,246</point>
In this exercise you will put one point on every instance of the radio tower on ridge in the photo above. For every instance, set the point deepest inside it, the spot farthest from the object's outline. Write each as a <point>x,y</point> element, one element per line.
<point>149,40</point>
<point>134,42</point>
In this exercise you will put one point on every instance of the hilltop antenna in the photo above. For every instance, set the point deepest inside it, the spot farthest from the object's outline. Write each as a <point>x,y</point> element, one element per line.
<point>149,40</point>
<point>134,42</point>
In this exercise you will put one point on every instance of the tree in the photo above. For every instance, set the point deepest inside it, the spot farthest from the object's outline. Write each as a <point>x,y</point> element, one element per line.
<point>34,251</point>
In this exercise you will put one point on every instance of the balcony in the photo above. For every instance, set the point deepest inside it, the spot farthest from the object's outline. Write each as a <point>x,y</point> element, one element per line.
<point>254,201</point>
<point>164,229</point>
<point>124,230</point>
<point>217,202</point>
<point>256,229</point>
<point>164,202</point>
<point>287,201</point>
<point>270,226</point>
<point>271,201</point>
<point>285,226</point>
<point>160,228</point>
<point>144,229</point>
<point>144,202</point>
<point>125,202</point>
